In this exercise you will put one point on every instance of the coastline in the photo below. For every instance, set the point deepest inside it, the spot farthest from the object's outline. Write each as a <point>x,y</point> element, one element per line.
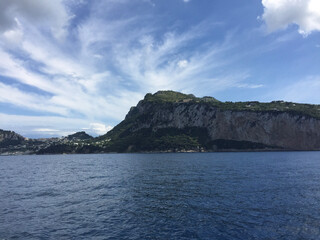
<point>164,152</point>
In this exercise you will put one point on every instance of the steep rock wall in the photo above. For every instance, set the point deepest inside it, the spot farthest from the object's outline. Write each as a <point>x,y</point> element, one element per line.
<point>10,136</point>
<point>274,128</point>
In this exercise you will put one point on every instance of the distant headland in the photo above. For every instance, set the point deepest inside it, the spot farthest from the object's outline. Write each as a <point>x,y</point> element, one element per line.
<point>169,121</point>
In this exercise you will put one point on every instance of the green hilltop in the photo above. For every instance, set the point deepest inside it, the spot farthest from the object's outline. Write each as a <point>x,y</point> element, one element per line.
<point>124,138</point>
<point>310,110</point>
<point>146,128</point>
<point>172,96</point>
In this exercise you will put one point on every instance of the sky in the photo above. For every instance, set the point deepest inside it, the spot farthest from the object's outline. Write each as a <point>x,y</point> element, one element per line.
<point>79,65</point>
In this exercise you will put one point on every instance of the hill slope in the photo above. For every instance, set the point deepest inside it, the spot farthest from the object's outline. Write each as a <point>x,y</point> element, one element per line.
<point>10,138</point>
<point>172,121</point>
<point>13,144</point>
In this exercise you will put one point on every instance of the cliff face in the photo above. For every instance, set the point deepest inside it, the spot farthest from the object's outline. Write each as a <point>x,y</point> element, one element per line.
<point>10,138</point>
<point>172,121</point>
<point>10,135</point>
<point>276,125</point>
<point>280,129</point>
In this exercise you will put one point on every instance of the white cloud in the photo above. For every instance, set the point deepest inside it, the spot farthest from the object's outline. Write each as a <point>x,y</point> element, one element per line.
<point>183,63</point>
<point>99,128</point>
<point>98,56</point>
<point>44,13</point>
<point>54,61</point>
<point>105,71</point>
<point>161,64</point>
<point>252,86</point>
<point>278,14</point>
<point>34,126</point>
<point>45,130</point>
<point>69,93</point>
<point>13,95</point>
<point>14,36</point>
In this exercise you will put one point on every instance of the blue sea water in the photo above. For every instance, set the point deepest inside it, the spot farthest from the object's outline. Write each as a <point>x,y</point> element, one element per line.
<point>161,196</point>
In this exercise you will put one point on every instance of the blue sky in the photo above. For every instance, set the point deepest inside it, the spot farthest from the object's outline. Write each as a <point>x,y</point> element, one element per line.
<point>73,65</point>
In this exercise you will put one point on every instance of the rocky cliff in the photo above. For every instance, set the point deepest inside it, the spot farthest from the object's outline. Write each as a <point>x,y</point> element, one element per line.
<point>213,125</point>
<point>169,121</point>
<point>8,138</point>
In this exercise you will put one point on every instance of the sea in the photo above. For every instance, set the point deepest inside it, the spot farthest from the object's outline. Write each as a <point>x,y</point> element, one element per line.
<point>257,195</point>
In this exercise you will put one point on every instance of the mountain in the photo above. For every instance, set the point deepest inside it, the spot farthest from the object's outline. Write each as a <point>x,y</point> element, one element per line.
<point>79,142</point>
<point>169,121</point>
<point>10,138</point>
<point>172,121</point>
<point>79,136</point>
<point>13,144</point>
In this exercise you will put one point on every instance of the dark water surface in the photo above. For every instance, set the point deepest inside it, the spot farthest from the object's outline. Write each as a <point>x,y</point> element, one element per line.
<point>161,196</point>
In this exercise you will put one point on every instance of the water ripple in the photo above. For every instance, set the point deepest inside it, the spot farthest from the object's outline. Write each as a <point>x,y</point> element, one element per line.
<point>161,196</point>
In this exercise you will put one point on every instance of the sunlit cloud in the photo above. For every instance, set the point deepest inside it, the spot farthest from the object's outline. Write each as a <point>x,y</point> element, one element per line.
<point>97,67</point>
<point>278,14</point>
<point>97,128</point>
<point>44,14</point>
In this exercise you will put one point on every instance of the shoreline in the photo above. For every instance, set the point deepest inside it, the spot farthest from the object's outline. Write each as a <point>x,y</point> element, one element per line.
<point>166,152</point>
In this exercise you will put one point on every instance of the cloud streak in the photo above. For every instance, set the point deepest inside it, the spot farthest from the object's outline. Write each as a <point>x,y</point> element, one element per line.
<point>97,68</point>
<point>37,126</point>
<point>305,90</point>
<point>44,14</point>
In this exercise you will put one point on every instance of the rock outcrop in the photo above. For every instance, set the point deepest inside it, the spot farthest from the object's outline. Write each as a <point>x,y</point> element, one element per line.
<point>8,138</point>
<point>277,125</point>
<point>169,121</point>
<point>78,136</point>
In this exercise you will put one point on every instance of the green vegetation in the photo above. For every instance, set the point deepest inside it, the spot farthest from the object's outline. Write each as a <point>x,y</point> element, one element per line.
<point>9,143</point>
<point>79,136</point>
<point>10,138</point>
<point>166,139</point>
<point>175,140</point>
<point>172,96</point>
<point>309,110</point>
<point>124,137</point>
<point>144,128</point>
<point>168,96</point>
